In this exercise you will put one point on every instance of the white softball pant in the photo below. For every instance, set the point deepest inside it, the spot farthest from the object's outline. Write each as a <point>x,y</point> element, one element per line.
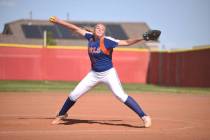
<point>109,77</point>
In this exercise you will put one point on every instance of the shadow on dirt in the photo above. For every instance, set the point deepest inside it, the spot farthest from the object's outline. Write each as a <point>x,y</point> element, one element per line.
<point>84,121</point>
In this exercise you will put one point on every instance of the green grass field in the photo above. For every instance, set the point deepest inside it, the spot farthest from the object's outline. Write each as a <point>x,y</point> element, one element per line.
<point>51,86</point>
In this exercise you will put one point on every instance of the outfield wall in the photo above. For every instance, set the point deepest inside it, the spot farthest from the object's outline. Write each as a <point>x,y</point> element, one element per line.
<point>20,63</point>
<point>184,68</point>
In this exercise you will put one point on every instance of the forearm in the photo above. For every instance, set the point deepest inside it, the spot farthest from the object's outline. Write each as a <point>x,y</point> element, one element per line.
<point>130,42</point>
<point>134,41</point>
<point>68,25</point>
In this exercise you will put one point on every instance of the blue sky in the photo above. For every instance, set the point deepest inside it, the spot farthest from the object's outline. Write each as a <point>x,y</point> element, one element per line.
<point>184,23</point>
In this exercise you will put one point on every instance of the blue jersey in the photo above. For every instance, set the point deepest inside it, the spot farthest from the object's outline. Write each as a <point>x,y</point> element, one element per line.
<point>100,52</point>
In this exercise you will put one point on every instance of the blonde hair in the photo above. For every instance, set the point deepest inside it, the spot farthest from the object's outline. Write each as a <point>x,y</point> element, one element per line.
<point>89,29</point>
<point>92,29</point>
<point>102,25</point>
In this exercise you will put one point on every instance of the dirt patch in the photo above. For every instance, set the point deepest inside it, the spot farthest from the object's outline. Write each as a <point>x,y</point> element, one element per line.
<point>102,116</point>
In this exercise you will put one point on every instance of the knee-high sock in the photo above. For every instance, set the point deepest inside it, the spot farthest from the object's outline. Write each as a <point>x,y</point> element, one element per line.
<point>132,104</point>
<point>67,105</point>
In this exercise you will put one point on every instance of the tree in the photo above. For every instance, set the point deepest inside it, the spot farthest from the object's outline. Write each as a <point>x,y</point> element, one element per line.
<point>50,39</point>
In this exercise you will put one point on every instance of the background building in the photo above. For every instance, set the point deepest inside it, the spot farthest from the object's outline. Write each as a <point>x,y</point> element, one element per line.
<point>31,32</point>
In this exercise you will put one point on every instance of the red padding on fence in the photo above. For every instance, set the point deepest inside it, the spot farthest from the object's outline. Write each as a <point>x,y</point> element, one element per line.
<point>190,68</point>
<point>66,64</point>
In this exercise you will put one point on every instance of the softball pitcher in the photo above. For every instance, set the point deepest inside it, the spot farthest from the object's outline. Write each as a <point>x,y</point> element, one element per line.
<point>100,48</point>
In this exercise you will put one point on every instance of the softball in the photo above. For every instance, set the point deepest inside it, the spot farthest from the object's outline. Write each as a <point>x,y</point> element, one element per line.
<point>52,19</point>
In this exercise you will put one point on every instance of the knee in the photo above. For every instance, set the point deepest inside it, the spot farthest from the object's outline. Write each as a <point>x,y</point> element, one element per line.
<point>73,96</point>
<point>122,97</point>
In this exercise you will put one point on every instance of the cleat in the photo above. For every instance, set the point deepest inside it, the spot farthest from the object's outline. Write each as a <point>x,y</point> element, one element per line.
<point>59,119</point>
<point>147,121</point>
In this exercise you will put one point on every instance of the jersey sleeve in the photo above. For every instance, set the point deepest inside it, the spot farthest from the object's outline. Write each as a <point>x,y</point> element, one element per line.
<point>88,35</point>
<point>111,42</point>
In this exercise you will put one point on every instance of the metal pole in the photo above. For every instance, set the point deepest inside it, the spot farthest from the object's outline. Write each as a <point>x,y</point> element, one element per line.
<point>30,15</point>
<point>45,39</point>
<point>67,16</point>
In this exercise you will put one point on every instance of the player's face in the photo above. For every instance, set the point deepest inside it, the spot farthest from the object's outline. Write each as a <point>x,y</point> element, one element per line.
<point>99,30</point>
